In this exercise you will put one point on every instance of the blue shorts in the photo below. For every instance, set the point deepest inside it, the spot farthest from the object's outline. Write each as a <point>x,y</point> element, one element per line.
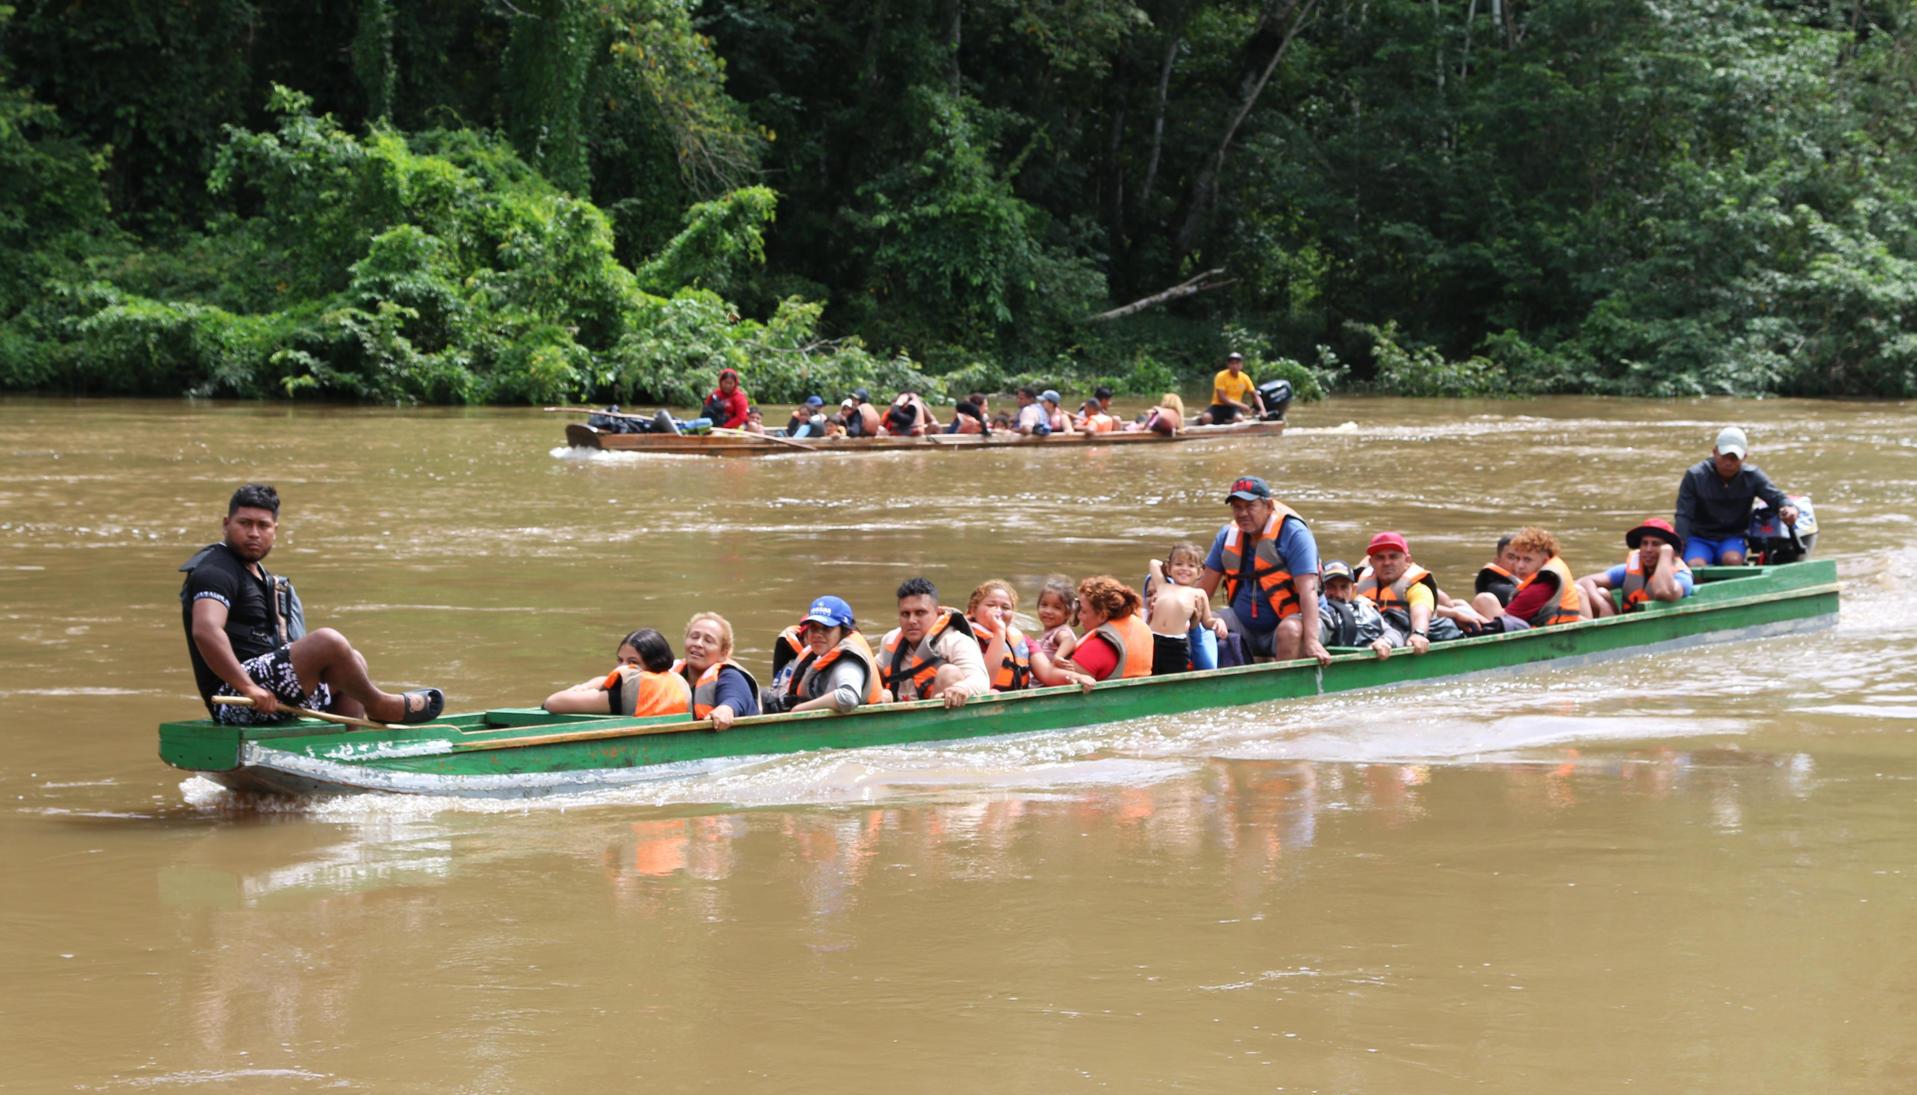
<point>1701,552</point>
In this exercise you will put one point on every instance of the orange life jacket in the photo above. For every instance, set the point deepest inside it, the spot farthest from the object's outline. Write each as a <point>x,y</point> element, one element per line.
<point>705,689</point>
<point>1636,587</point>
<point>1014,670</point>
<point>1267,567</point>
<point>653,693</point>
<point>1394,599</point>
<point>1132,638</point>
<point>1100,423</point>
<point>809,672</point>
<point>1565,610</point>
<point>909,673</point>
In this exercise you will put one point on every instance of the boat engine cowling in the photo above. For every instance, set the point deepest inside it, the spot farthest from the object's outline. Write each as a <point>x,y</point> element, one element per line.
<point>1772,541</point>
<point>1277,397</point>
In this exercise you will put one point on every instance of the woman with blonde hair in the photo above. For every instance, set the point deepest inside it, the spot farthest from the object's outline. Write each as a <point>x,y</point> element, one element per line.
<point>1008,656</point>
<point>722,689</point>
<point>1166,418</point>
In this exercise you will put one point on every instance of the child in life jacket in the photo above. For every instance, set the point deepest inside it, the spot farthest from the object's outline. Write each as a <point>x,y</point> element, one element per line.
<point>1052,649</point>
<point>1184,631</point>
<point>642,684</point>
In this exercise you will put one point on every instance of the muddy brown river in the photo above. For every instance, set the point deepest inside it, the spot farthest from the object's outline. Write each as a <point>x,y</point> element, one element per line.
<point>1687,872</point>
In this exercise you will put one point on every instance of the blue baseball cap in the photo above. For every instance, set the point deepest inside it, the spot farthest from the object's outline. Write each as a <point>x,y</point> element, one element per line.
<point>830,611</point>
<point>814,401</point>
<point>1250,488</point>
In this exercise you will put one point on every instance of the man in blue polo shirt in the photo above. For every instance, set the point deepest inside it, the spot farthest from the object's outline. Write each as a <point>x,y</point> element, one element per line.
<point>1714,503</point>
<point>1268,562</point>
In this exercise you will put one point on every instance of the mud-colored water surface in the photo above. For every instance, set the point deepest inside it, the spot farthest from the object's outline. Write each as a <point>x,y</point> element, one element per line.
<point>1689,872</point>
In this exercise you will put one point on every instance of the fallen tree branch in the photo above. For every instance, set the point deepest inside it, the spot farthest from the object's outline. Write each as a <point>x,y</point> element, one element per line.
<point>1183,289</point>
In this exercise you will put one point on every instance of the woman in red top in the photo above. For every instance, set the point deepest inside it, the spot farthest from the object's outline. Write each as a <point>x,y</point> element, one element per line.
<point>727,405</point>
<point>1103,601</point>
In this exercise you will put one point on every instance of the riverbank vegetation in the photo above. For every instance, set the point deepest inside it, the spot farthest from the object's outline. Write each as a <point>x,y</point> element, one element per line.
<point>537,200</point>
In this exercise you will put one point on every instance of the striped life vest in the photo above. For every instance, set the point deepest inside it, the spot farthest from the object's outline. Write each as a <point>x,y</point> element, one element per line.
<point>1564,610</point>
<point>1132,639</point>
<point>909,672</point>
<point>1636,583</point>
<point>808,673</point>
<point>1265,567</point>
<point>705,688</point>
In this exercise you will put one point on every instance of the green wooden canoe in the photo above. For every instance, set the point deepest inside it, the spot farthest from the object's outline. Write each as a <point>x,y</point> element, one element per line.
<point>521,752</point>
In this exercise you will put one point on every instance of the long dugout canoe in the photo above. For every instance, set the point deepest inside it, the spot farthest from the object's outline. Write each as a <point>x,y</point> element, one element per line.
<point>519,752</point>
<point>581,436</point>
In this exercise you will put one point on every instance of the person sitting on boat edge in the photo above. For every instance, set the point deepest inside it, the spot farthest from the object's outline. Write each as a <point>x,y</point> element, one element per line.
<point>643,684</point>
<point>836,671</point>
<point>1117,642</point>
<point>1004,648</point>
<point>246,633</point>
<point>1347,619</point>
<point>1185,634</point>
<point>1547,594</point>
<point>932,652</point>
<point>1653,571</point>
<point>727,405</point>
<point>808,418</point>
<point>1233,395</point>
<point>1052,649</point>
<point>868,415</point>
<point>1267,560</point>
<point>722,689</point>
<point>1714,502</point>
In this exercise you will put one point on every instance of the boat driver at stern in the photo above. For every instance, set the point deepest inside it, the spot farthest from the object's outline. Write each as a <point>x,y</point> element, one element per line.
<point>1268,562</point>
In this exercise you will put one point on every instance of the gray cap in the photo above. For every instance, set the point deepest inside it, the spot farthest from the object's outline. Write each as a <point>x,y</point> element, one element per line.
<point>1731,442</point>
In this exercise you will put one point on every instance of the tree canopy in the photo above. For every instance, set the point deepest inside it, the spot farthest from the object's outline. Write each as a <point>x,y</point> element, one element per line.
<point>534,200</point>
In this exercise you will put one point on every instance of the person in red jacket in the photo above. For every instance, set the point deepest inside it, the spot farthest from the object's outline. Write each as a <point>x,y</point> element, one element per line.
<point>727,405</point>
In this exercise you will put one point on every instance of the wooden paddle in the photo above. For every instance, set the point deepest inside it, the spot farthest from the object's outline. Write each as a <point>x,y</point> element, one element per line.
<point>328,716</point>
<point>787,441</point>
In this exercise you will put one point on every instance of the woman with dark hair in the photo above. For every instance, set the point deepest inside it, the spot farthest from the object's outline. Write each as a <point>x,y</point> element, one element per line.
<point>727,405</point>
<point>642,684</point>
<point>1117,642</point>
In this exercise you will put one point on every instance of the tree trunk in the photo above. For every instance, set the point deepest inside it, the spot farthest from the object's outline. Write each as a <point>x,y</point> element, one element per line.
<point>1203,188</point>
<point>1183,289</point>
<point>1172,42</point>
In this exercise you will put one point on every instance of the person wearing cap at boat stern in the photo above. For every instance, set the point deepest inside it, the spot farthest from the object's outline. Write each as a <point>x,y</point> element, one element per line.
<point>1267,560</point>
<point>835,672</point>
<point>1714,503</point>
<point>1654,571</point>
<point>727,405</point>
<point>246,633</point>
<point>1233,395</point>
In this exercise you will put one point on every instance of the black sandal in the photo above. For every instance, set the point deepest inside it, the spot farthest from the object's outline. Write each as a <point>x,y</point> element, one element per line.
<point>435,703</point>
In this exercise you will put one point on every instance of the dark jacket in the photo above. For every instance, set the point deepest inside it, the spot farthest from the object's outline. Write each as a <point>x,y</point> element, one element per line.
<point>1708,506</point>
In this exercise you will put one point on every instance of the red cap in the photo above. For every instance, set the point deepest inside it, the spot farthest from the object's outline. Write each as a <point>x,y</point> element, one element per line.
<point>1393,541</point>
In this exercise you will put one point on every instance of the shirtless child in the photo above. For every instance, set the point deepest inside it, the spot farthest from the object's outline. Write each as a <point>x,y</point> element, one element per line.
<point>1177,609</point>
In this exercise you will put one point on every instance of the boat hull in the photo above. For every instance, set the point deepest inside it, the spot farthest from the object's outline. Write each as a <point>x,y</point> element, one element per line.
<point>579,435</point>
<point>518,753</point>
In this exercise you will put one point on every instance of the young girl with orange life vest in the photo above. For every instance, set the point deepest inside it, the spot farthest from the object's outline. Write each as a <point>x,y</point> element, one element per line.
<point>642,685</point>
<point>1057,603</point>
<point>1117,643</point>
<point>722,690</point>
<point>1008,656</point>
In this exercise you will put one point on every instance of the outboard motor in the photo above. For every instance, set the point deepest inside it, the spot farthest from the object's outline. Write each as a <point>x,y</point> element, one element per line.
<point>1277,397</point>
<point>1773,541</point>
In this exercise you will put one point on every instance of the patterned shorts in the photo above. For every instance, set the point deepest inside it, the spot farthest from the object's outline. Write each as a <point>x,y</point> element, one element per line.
<point>273,671</point>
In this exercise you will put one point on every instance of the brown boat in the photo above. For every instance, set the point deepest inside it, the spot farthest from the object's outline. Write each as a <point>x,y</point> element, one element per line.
<point>740,443</point>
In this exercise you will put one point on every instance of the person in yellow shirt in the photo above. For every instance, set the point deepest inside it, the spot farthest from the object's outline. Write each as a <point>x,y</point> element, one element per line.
<point>1232,394</point>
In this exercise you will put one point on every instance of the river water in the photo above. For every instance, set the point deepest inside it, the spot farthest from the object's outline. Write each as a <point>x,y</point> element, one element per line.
<point>1689,872</point>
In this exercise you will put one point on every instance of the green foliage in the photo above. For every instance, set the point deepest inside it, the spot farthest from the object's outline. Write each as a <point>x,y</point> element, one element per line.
<point>1423,371</point>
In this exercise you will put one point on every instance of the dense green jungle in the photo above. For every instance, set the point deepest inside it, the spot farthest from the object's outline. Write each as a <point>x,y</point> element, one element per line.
<point>537,200</point>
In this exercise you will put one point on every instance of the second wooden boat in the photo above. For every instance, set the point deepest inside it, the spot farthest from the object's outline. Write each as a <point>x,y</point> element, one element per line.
<point>736,443</point>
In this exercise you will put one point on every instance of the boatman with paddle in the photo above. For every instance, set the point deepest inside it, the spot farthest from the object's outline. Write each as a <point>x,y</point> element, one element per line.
<point>246,634</point>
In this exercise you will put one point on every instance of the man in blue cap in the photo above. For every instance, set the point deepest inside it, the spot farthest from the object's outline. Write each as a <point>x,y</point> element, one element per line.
<point>1268,562</point>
